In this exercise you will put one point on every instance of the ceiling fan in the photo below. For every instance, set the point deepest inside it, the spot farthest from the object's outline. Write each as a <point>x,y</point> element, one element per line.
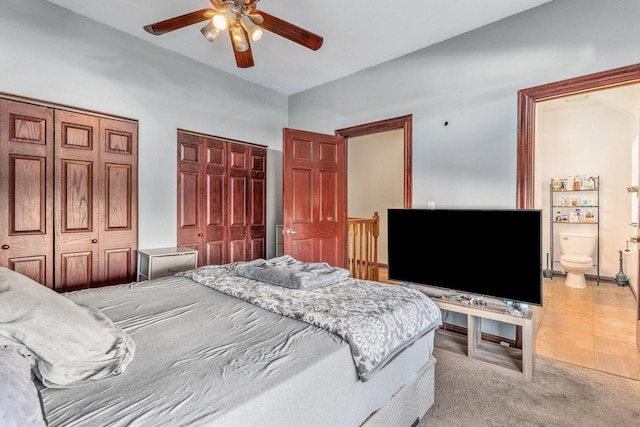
<point>244,23</point>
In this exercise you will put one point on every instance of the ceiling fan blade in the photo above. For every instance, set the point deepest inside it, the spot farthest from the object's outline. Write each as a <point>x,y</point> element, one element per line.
<point>290,31</point>
<point>178,22</point>
<point>243,59</point>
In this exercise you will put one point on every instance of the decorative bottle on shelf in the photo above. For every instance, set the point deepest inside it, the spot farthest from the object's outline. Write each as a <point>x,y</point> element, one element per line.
<point>589,216</point>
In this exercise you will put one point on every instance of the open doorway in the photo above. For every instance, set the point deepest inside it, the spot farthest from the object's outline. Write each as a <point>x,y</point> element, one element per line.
<point>529,185</point>
<point>388,183</point>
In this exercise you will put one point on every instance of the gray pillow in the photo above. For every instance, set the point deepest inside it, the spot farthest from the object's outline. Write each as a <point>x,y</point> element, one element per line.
<point>67,344</point>
<point>19,400</point>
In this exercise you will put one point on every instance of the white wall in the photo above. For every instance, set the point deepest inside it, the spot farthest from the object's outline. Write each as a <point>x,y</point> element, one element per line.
<point>51,54</point>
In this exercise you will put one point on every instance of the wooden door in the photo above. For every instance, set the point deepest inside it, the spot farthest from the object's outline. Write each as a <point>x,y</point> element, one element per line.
<point>237,184</point>
<point>221,198</point>
<point>95,201</point>
<point>26,189</point>
<point>246,203</point>
<point>256,207</point>
<point>314,197</point>
<point>247,194</point>
<point>77,190</point>
<point>202,197</point>
<point>118,201</point>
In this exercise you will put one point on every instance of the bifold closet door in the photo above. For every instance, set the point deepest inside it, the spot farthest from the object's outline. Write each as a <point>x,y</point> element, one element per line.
<point>202,197</point>
<point>95,201</point>
<point>246,202</point>
<point>26,189</point>
<point>221,199</point>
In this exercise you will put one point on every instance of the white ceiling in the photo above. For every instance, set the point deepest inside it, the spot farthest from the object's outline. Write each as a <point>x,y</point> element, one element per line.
<point>358,34</point>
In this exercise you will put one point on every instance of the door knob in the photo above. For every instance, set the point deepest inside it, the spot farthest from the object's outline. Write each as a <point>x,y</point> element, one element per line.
<point>290,231</point>
<point>94,240</point>
<point>199,234</point>
<point>5,246</point>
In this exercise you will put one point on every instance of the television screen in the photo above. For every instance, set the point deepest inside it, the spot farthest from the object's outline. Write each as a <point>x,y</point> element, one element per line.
<point>486,252</point>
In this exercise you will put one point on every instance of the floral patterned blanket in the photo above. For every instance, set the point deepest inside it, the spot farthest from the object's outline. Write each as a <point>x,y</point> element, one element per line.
<point>377,320</point>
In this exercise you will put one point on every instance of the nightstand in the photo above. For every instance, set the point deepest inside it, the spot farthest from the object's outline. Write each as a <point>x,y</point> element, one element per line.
<point>162,262</point>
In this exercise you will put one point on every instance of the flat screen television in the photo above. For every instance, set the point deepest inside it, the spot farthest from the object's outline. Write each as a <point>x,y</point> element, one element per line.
<point>484,252</point>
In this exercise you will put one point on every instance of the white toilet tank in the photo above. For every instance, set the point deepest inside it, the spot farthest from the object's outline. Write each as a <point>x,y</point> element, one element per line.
<point>577,244</point>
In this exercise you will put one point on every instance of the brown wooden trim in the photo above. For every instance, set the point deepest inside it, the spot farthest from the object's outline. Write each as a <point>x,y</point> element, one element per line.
<point>527,99</point>
<point>402,122</point>
<point>485,337</point>
<point>41,103</point>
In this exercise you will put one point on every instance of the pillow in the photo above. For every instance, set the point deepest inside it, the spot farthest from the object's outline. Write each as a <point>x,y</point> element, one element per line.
<point>67,344</point>
<point>19,400</point>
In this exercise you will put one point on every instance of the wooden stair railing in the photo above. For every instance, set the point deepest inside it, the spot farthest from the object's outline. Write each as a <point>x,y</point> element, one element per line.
<point>362,255</point>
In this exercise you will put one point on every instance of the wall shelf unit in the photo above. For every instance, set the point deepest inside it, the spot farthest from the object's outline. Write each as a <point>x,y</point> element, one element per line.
<point>575,207</point>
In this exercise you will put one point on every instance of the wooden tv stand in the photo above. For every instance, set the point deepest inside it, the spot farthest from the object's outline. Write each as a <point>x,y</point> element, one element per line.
<point>505,359</point>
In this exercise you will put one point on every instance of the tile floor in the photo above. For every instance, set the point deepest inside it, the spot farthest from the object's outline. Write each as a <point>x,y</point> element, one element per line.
<point>593,327</point>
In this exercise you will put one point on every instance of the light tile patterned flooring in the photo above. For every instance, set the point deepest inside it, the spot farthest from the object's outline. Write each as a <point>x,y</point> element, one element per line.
<point>593,327</point>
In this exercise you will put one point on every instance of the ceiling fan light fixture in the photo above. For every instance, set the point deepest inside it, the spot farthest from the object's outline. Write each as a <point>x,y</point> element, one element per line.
<point>219,21</point>
<point>209,31</point>
<point>254,32</point>
<point>239,39</point>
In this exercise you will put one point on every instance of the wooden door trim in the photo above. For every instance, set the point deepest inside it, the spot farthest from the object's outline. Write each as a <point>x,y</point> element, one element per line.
<point>401,122</point>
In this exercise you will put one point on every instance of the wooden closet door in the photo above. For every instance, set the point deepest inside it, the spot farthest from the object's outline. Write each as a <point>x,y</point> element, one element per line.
<point>202,197</point>
<point>237,172</point>
<point>117,202</point>
<point>215,203</point>
<point>95,201</point>
<point>247,185</point>
<point>78,184</point>
<point>221,199</point>
<point>26,189</point>
<point>256,207</point>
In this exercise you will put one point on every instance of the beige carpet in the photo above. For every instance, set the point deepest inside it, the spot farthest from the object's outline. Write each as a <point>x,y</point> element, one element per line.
<point>469,394</point>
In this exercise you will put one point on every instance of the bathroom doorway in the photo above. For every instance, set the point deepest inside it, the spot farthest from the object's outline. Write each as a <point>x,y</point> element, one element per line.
<point>527,127</point>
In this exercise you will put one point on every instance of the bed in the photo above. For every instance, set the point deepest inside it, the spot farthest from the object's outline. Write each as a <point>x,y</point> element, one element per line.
<point>214,347</point>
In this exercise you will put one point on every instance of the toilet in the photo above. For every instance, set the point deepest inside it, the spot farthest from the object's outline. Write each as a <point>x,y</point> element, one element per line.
<point>576,251</point>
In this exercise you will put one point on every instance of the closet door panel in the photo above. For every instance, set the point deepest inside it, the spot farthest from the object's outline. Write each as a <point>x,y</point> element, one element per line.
<point>214,233</point>
<point>76,200</point>
<point>237,173</point>
<point>256,206</point>
<point>118,213</point>
<point>26,189</point>
<point>75,270</point>
<point>189,195</point>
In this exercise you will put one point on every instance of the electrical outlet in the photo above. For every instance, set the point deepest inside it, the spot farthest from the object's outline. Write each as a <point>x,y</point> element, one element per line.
<point>431,205</point>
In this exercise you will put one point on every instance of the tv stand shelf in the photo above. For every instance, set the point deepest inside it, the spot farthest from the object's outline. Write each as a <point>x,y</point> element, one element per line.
<point>503,358</point>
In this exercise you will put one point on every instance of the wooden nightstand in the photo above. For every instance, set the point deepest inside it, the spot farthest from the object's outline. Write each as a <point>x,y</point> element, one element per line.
<point>162,262</point>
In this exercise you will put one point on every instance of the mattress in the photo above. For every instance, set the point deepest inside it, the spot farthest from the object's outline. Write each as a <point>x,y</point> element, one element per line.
<point>206,358</point>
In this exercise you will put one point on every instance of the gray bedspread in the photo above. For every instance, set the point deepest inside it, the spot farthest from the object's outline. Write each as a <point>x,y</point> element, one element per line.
<point>377,320</point>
